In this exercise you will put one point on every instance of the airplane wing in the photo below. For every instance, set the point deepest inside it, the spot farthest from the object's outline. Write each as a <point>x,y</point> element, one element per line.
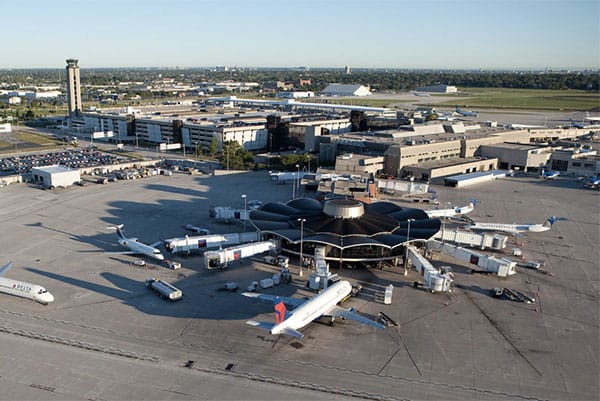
<point>350,314</point>
<point>295,302</point>
<point>261,325</point>
<point>5,268</point>
<point>269,326</point>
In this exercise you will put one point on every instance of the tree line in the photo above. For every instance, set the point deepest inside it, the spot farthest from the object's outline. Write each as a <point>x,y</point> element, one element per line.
<point>379,80</point>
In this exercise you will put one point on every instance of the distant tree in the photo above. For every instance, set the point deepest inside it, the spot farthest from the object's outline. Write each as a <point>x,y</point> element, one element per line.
<point>214,146</point>
<point>235,157</point>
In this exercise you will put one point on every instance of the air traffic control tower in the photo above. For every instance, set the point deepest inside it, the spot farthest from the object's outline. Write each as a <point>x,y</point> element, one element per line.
<point>73,89</point>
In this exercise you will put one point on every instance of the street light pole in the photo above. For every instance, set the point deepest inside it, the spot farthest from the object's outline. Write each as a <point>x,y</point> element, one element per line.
<point>245,210</point>
<point>301,238</point>
<point>298,186</point>
<point>406,247</point>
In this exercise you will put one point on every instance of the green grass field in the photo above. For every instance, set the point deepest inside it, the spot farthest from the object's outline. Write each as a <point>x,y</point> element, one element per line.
<point>498,98</point>
<point>28,141</point>
<point>529,99</point>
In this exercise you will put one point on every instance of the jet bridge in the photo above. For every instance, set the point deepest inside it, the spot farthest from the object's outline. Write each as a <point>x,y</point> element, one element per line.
<point>500,266</point>
<point>435,281</point>
<point>472,239</point>
<point>220,258</point>
<point>201,243</point>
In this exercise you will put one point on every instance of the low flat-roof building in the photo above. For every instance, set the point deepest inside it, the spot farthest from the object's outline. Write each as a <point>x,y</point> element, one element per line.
<point>517,156</point>
<point>430,170</point>
<point>464,180</point>
<point>363,165</point>
<point>55,176</point>
<point>576,162</point>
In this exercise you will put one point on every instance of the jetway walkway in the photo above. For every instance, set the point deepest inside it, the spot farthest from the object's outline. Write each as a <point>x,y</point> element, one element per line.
<point>472,239</point>
<point>500,266</point>
<point>435,281</point>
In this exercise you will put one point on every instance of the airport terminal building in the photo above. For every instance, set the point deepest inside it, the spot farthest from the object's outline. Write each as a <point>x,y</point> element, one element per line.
<point>351,231</point>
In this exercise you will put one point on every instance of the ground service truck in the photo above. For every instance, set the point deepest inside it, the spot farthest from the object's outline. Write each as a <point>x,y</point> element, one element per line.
<point>166,290</point>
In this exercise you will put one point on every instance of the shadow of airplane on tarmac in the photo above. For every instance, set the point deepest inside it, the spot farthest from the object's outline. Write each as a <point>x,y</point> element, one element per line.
<point>200,300</point>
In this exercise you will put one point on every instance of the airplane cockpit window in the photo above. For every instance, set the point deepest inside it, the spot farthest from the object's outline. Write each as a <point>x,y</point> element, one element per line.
<point>42,291</point>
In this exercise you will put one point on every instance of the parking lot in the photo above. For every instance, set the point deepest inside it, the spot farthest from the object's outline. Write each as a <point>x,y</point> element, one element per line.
<point>73,158</point>
<point>467,345</point>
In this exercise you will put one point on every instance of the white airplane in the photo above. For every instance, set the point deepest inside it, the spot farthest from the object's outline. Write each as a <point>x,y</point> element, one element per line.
<point>466,113</point>
<point>136,247</point>
<point>445,116</point>
<point>515,229</point>
<point>306,311</point>
<point>23,289</point>
<point>524,126</point>
<point>591,118</point>
<point>457,211</point>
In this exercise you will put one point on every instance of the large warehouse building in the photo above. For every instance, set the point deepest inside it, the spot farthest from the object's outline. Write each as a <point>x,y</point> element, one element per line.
<point>346,90</point>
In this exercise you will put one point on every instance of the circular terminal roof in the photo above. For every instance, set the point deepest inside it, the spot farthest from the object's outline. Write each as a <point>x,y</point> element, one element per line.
<point>344,208</point>
<point>345,223</point>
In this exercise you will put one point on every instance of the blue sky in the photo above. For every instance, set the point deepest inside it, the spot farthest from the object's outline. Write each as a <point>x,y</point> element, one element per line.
<point>388,33</point>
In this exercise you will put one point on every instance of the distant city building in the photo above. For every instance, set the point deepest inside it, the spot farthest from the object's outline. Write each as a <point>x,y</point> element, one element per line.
<point>11,100</point>
<point>303,82</point>
<point>47,94</point>
<point>274,86</point>
<point>437,89</point>
<point>5,128</point>
<point>346,90</point>
<point>73,88</point>
<point>347,70</point>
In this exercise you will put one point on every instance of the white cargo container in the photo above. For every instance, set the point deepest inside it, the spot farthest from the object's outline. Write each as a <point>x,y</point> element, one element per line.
<point>266,283</point>
<point>387,298</point>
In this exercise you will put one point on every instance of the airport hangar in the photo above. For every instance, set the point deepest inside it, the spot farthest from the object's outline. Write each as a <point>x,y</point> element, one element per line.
<point>350,230</point>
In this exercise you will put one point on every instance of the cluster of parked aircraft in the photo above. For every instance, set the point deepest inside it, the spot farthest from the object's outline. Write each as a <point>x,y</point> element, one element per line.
<point>305,311</point>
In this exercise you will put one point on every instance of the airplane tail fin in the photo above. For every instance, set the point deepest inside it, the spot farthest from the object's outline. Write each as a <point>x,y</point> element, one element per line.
<point>551,220</point>
<point>474,202</point>
<point>281,312</point>
<point>118,228</point>
<point>5,268</point>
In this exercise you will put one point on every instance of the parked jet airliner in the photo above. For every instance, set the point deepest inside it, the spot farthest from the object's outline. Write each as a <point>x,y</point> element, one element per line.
<point>136,247</point>
<point>466,113</point>
<point>457,211</point>
<point>23,289</point>
<point>515,229</point>
<point>306,311</point>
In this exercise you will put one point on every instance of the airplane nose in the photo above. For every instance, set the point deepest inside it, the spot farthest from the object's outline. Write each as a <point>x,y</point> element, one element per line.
<point>160,257</point>
<point>49,298</point>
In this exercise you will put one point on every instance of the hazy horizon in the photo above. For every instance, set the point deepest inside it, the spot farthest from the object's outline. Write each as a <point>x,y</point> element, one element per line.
<point>393,34</point>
